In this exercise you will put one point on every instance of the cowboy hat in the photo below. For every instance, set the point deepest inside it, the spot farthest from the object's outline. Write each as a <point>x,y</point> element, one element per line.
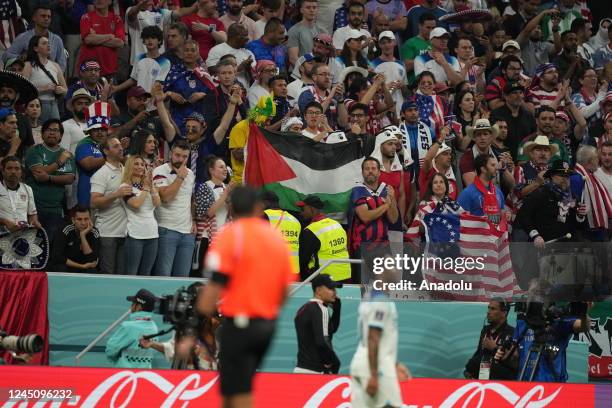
<point>542,141</point>
<point>482,124</point>
<point>26,90</point>
<point>349,70</point>
<point>79,93</point>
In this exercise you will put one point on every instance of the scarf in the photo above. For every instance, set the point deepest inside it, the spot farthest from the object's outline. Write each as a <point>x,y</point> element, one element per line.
<point>596,198</point>
<point>423,139</point>
<point>564,196</point>
<point>490,206</point>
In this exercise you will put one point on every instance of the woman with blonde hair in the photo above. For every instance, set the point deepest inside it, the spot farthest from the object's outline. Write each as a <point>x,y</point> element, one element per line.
<point>141,242</point>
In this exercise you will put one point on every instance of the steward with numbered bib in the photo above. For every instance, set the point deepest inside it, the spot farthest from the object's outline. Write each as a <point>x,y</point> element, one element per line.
<point>287,224</point>
<point>322,240</point>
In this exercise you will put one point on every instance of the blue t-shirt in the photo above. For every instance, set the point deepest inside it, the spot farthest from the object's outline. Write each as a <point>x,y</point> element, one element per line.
<point>263,51</point>
<point>563,330</point>
<point>471,200</point>
<point>86,148</point>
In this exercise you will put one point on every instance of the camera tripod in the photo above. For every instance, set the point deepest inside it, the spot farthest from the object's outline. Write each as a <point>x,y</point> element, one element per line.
<point>534,360</point>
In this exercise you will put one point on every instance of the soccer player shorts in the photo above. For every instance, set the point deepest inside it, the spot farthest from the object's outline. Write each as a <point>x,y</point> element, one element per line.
<point>388,395</point>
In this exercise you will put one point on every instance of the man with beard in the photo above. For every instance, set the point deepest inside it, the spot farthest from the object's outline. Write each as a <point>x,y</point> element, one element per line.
<point>604,172</point>
<point>534,50</point>
<point>107,196</point>
<point>91,81</point>
<point>88,156</point>
<point>300,36</point>
<point>332,100</point>
<point>545,119</point>
<point>483,197</point>
<point>234,15</point>
<point>137,117</point>
<point>569,62</point>
<point>17,208</point>
<point>550,211</point>
<point>10,142</point>
<point>303,77</point>
<point>356,19</point>
<point>373,208</point>
<point>17,90</point>
<point>510,72</point>
<point>270,46</point>
<point>519,120</point>
<point>237,39</point>
<point>546,89</point>
<point>284,103</point>
<point>175,182</point>
<point>49,169</point>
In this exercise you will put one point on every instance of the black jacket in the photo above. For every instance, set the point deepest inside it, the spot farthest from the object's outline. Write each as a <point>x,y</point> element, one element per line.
<point>502,370</point>
<point>315,348</point>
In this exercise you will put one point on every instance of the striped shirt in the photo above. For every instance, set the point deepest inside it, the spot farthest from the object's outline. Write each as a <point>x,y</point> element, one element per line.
<point>375,231</point>
<point>538,96</point>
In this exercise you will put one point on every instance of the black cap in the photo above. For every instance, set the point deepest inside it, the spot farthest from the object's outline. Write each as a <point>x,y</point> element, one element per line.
<point>513,86</point>
<point>311,200</point>
<point>324,280</point>
<point>559,168</point>
<point>144,298</point>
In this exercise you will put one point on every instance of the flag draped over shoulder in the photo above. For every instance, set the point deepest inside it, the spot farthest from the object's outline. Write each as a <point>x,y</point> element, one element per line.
<point>467,237</point>
<point>294,166</point>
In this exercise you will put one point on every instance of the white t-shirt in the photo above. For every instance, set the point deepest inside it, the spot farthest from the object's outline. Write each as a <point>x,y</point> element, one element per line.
<point>74,132</point>
<point>222,213</point>
<point>394,71</point>
<point>16,205</point>
<point>424,62</point>
<point>342,34</point>
<point>111,222</point>
<point>141,222</point>
<point>241,54</point>
<point>176,214</point>
<point>294,89</point>
<point>260,26</point>
<point>383,316</point>
<point>160,18</point>
<point>309,134</point>
<point>148,70</point>
<point>605,178</point>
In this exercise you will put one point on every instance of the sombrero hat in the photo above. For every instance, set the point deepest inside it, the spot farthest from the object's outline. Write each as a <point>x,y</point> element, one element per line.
<point>468,15</point>
<point>27,91</point>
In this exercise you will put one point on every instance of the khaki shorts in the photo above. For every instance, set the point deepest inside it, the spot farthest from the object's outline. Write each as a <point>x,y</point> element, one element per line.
<point>388,395</point>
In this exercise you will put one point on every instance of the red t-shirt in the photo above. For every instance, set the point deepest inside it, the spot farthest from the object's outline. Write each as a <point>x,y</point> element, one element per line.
<point>204,38</point>
<point>93,23</point>
<point>424,180</point>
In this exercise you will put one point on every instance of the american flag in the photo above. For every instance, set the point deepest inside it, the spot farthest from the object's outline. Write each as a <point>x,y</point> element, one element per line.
<point>467,236</point>
<point>431,110</point>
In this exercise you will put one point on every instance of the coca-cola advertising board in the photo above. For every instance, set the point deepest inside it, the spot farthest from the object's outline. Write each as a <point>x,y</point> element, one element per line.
<point>24,387</point>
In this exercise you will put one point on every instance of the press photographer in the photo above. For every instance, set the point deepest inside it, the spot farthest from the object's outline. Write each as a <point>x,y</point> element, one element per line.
<point>482,365</point>
<point>194,345</point>
<point>20,348</point>
<point>541,337</point>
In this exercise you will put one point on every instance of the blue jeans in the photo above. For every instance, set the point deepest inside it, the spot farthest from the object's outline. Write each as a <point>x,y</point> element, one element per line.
<point>140,255</point>
<point>174,253</point>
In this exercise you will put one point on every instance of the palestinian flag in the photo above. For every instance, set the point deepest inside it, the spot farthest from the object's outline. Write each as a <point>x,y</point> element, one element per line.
<point>294,166</point>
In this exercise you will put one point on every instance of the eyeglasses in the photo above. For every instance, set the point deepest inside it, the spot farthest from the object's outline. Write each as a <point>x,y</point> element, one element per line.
<point>325,74</point>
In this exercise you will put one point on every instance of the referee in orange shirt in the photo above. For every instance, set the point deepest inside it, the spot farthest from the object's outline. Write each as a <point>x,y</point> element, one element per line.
<point>248,266</point>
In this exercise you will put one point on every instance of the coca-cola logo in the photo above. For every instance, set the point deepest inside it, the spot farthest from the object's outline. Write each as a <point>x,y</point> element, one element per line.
<point>478,390</point>
<point>322,393</point>
<point>187,390</point>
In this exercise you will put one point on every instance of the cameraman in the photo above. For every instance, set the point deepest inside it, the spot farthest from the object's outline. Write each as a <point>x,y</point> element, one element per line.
<point>481,365</point>
<point>553,334</point>
<point>315,328</point>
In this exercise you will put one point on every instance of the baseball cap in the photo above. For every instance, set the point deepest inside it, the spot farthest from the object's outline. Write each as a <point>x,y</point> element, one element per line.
<point>386,34</point>
<point>354,34</point>
<point>513,86</point>
<point>324,280</point>
<point>562,115</point>
<point>410,102</point>
<point>511,43</point>
<point>137,91</point>
<point>311,200</point>
<point>308,57</point>
<point>144,298</point>
<point>323,38</point>
<point>438,32</point>
<point>440,87</point>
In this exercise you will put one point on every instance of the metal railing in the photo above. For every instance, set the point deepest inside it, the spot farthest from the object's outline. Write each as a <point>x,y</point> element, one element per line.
<point>124,316</point>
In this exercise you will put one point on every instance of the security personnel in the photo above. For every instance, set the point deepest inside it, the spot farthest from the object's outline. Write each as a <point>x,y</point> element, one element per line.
<point>286,223</point>
<point>323,239</point>
<point>123,347</point>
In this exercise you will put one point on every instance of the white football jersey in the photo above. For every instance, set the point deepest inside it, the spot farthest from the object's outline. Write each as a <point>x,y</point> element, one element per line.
<point>383,316</point>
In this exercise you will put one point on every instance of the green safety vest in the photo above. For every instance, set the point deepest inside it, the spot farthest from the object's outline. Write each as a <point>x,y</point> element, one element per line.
<point>290,227</point>
<point>333,246</point>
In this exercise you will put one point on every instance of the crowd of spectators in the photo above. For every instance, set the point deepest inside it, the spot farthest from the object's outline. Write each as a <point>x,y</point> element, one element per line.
<point>137,130</point>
